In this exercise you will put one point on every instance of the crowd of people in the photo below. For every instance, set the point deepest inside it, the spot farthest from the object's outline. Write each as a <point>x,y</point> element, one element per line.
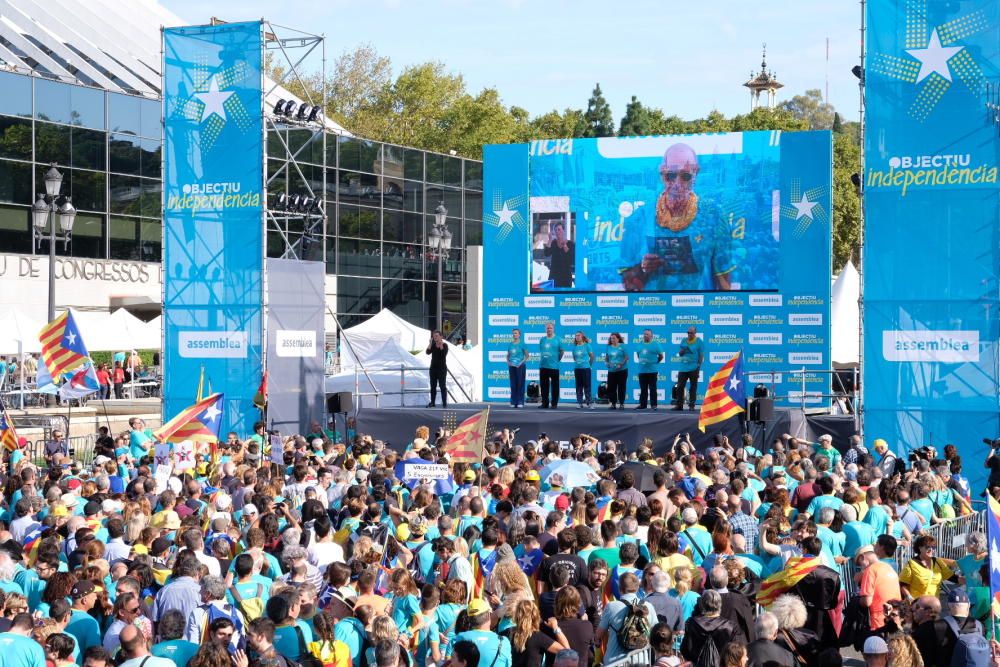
<point>735,555</point>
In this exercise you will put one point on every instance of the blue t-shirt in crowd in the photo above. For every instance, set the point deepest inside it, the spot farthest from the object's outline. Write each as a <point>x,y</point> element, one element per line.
<point>691,353</point>
<point>617,357</point>
<point>551,350</point>
<point>581,355</point>
<point>517,354</point>
<point>649,355</point>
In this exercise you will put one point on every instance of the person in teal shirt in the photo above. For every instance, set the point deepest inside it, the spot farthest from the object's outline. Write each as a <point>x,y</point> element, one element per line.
<point>689,359</point>
<point>616,358</point>
<point>551,350</point>
<point>517,359</point>
<point>17,646</point>
<point>140,440</point>
<point>649,355</point>
<point>583,359</point>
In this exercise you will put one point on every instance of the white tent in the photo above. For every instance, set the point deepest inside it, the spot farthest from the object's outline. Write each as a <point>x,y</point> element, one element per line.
<point>845,317</point>
<point>19,333</point>
<point>378,345</point>
<point>101,331</point>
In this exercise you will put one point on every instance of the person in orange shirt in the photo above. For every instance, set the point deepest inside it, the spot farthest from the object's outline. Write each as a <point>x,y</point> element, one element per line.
<point>879,584</point>
<point>366,593</point>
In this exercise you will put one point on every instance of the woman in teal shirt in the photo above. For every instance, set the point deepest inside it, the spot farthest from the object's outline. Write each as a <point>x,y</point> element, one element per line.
<point>517,357</point>
<point>583,359</point>
<point>617,361</point>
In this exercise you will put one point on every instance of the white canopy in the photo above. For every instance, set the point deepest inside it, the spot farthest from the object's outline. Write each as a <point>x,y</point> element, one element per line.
<point>845,317</point>
<point>101,331</point>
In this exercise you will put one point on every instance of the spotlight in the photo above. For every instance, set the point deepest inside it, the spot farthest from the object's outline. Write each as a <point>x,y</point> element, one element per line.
<point>289,107</point>
<point>293,203</point>
<point>314,114</point>
<point>859,72</point>
<point>281,202</point>
<point>301,115</point>
<point>305,204</point>
<point>279,106</point>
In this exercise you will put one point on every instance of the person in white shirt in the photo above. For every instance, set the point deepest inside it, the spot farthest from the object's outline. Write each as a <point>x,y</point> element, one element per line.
<point>323,550</point>
<point>116,549</point>
<point>194,540</point>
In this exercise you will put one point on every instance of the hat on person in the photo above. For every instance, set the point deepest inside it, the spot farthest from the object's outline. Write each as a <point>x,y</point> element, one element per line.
<point>689,516</point>
<point>249,508</point>
<point>69,500</point>
<point>83,588</point>
<point>101,460</point>
<point>879,443</point>
<point>958,596</point>
<point>418,525</point>
<point>109,506</point>
<point>59,510</point>
<point>223,502</point>
<point>864,549</point>
<point>73,484</point>
<point>403,532</point>
<point>875,646</point>
<point>317,443</point>
<point>183,511</point>
<point>562,502</point>
<point>469,476</point>
<point>160,544</point>
<point>532,476</point>
<point>478,606</point>
<point>13,549</point>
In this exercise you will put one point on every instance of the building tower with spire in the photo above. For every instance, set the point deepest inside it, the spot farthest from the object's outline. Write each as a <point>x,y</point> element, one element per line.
<point>763,82</point>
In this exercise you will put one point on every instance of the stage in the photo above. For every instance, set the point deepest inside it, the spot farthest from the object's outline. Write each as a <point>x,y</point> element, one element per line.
<point>396,425</point>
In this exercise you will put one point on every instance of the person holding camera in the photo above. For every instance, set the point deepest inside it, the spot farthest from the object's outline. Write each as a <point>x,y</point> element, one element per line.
<point>689,359</point>
<point>438,350</point>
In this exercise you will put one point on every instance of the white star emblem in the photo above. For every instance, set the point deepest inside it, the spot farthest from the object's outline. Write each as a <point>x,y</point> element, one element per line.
<point>995,557</point>
<point>734,383</point>
<point>212,412</point>
<point>71,338</point>
<point>804,207</point>
<point>525,561</point>
<point>213,100</point>
<point>934,58</point>
<point>506,216</point>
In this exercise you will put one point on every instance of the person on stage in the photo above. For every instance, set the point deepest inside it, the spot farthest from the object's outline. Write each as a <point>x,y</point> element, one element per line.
<point>551,351</point>
<point>583,360</point>
<point>616,358</point>
<point>517,359</point>
<point>438,350</point>
<point>689,360</point>
<point>650,356</point>
<point>681,243</point>
<point>562,254</point>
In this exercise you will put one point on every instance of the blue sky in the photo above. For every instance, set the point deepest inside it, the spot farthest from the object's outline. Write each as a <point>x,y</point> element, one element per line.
<point>686,57</point>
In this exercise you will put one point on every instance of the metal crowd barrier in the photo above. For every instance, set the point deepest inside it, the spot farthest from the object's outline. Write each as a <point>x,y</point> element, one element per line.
<point>640,658</point>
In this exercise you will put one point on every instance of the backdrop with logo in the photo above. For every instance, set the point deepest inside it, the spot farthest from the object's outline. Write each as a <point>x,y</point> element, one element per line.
<point>212,224</point>
<point>931,234</point>
<point>295,351</point>
<point>763,211</point>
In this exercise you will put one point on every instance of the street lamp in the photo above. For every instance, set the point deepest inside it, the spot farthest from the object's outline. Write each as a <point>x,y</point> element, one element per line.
<point>439,240</point>
<point>44,212</point>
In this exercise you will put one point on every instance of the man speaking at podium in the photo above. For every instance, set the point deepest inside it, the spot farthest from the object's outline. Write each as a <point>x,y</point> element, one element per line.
<point>689,359</point>
<point>681,243</point>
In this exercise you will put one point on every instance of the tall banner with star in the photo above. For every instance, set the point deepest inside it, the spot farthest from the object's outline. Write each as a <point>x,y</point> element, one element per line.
<point>931,259</point>
<point>728,233</point>
<point>212,220</point>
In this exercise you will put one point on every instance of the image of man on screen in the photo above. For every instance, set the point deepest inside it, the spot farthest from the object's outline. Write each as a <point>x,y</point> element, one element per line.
<point>681,243</point>
<point>562,255</point>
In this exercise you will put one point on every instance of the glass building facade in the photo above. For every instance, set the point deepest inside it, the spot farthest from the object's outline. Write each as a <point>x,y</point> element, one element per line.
<point>380,198</point>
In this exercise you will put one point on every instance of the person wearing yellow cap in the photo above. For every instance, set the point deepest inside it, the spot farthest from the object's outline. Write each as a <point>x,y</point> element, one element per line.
<point>884,458</point>
<point>493,649</point>
<point>532,476</point>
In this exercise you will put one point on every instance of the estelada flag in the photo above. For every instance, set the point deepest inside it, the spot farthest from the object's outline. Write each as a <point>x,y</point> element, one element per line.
<point>993,537</point>
<point>260,398</point>
<point>198,423</point>
<point>726,394</point>
<point>781,582</point>
<point>8,436</point>
<point>468,440</point>
<point>62,346</point>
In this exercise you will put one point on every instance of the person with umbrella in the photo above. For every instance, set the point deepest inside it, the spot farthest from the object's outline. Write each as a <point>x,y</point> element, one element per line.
<point>627,491</point>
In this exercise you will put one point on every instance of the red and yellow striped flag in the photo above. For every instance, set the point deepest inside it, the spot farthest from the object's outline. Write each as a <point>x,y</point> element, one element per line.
<point>469,438</point>
<point>197,423</point>
<point>781,582</point>
<point>725,396</point>
<point>8,436</point>
<point>62,346</point>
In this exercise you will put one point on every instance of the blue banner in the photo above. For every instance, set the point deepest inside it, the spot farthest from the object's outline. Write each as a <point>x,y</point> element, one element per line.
<point>931,234</point>
<point>213,229</point>
<point>749,270</point>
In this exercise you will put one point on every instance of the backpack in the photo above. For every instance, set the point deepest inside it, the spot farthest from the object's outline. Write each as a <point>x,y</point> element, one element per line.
<point>414,567</point>
<point>249,608</point>
<point>857,624</point>
<point>212,612</point>
<point>634,632</point>
<point>708,656</point>
<point>972,649</point>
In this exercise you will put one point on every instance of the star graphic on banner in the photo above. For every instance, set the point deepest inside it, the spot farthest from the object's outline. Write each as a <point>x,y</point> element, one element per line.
<point>934,58</point>
<point>525,561</point>
<point>71,339</point>
<point>214,100</point>
<point>734,383</point>
<point>505,216</point>
<point>995,557</point>
<point>212,412</point>
<point>804,207</point>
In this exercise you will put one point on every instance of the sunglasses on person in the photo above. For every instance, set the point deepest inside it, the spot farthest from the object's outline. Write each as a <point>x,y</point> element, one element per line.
<point>685,176</point>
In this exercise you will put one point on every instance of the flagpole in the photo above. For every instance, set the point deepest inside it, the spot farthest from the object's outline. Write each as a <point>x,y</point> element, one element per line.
<point>482,452</point>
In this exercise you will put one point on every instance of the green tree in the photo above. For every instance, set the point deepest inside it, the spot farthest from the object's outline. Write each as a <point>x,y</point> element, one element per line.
<point>555,125</point>
<point>838,125</point>
<point>811,107</point>
<point>598,121</point>
<point>767,119</point>
<point>846,202</point>
<point>471,122</point>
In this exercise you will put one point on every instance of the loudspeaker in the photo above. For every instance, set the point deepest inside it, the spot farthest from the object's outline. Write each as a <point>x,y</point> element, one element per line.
<point>602,392</point>
<point>340,403</point>
<point>761,391</point>
<point>762,410</point>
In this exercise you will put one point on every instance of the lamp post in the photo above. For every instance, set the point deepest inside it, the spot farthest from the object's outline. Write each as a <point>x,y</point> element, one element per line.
<point>439,239</point>
<point>44,212</point>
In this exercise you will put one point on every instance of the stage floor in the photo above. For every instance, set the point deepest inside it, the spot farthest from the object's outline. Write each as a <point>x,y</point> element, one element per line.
<point>396,425</point>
